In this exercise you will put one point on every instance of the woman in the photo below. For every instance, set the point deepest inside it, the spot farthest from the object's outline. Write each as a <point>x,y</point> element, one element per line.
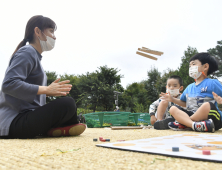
<point>23,109</point>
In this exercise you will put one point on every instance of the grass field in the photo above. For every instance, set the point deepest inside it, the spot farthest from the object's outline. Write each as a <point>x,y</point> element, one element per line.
<point>81,153</point>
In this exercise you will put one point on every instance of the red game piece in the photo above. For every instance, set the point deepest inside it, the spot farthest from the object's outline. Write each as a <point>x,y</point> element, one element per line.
<point>206,152</point>
<point>100,138</point>
<point>103,140</point>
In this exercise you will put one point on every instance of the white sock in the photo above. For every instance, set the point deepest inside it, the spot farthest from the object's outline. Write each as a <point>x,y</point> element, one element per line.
<point>193,125</point>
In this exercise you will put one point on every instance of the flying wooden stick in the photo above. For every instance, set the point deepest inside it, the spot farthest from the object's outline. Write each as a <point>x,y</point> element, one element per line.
<point>152,50</point>
<point>144,49</point>
<point>147,50</point>
<point>146,55</point>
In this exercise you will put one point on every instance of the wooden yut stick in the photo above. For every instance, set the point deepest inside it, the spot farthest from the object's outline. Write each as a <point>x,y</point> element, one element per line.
<point>125,127</point>
<point>146,55</point>
<point>144,49</point>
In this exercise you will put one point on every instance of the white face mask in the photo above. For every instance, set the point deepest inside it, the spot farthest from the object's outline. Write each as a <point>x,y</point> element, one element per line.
<point>47,45</point>
<point>194,73</point>
<point>174,92</point>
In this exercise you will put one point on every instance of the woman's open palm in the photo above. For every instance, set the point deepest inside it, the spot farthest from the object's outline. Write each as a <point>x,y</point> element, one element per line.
<point>57,88</point>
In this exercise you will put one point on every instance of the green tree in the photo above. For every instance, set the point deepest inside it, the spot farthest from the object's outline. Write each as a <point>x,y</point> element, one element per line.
<point>136,97</point>
<point>217,53</point>
<point>183,70</point>
<point>110,82</point>
<point>75,91</point>
<point>97,88</point>
<point>150,85</point>
<point>87,97</point>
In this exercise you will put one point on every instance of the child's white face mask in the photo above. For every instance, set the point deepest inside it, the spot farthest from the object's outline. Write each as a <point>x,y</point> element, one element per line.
<point>174,92</point>
<point>194,73</point>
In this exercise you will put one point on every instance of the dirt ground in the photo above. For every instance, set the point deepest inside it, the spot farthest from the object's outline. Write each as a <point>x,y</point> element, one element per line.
<point>81,153</point>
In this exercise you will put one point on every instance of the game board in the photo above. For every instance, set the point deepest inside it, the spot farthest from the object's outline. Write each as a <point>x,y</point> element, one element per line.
<point>190,146</point>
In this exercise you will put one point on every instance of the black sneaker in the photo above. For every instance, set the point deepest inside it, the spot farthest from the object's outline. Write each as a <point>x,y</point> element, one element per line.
<point>163,124</point>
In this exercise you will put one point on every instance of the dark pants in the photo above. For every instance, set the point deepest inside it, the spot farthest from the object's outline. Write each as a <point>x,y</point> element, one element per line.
<point>213,114</point>
<point>58,113</point>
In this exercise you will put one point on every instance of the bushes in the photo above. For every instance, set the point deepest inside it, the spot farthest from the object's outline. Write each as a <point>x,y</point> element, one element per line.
<point>83,111</point>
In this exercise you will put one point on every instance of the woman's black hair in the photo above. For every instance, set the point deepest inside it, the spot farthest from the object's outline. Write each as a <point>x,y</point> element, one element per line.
<point>36,21</point>
<point>206,58</point>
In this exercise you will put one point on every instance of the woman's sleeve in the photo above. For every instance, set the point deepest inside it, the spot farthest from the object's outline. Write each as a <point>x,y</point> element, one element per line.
<point>14,84</point>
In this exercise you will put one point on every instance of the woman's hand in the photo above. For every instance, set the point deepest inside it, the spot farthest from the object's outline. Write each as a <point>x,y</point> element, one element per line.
<point>58,88</point>
<point>217,98</point>
<point>167,97</point>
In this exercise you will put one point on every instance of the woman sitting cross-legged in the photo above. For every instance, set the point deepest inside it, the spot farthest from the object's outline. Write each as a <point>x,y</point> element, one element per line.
<point>23,109</point>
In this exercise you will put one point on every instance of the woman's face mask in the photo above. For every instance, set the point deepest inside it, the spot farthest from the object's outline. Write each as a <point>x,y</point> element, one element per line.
<point>47,45</point>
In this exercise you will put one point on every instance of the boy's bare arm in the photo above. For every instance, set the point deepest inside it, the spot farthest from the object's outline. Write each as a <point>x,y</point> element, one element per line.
<point>169,98</point>
<point>179,102</point>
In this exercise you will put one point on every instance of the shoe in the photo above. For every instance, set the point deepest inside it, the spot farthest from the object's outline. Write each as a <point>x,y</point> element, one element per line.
<point>204,126</point>
<point>177,126</point>
<point>163,124</point>
<point>73,130</point>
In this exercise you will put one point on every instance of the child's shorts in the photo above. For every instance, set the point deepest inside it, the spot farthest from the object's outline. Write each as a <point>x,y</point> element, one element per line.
<point>213,114</point>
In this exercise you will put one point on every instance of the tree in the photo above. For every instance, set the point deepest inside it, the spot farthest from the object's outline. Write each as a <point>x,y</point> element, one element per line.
<point>135,97</point>
<point>183,70</point>
<point>217,53</point>
<point>150,85</point>
<point>75,91</point>
<point>110,82</point>
<point>97,88</point>
<point>87,97</point>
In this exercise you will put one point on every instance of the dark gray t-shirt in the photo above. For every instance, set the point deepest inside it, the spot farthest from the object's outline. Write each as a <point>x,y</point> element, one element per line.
<point>22,79</point>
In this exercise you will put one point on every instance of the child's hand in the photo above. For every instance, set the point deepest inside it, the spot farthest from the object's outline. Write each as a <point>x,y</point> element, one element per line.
<point>167,97</point>
<point>153,119</point>
<point>217,98</point>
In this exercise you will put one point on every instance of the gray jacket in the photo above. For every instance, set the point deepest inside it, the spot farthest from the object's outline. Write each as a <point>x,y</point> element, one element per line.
<point>22,79</point>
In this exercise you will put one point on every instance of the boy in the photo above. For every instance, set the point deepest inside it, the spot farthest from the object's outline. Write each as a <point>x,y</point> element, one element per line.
<point>174,86</point>
<point>202,112</point>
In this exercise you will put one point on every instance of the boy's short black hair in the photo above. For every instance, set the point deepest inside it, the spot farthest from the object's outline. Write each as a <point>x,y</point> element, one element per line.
<point>206,58</point>
<point>178,78</point>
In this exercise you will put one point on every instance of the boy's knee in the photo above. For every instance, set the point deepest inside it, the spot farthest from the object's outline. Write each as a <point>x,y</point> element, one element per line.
<point>173,110</point>
<point>206,105</point>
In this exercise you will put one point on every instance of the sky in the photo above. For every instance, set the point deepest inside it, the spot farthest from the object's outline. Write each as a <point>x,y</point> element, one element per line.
<point>95,33</point>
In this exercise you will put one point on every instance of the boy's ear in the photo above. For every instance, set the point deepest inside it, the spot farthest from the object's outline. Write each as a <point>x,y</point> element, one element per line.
<point>181,88</point>
<point>206,67</point>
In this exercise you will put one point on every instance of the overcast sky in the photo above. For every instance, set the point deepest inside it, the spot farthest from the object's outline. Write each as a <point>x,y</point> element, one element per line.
<point>96,33</point>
